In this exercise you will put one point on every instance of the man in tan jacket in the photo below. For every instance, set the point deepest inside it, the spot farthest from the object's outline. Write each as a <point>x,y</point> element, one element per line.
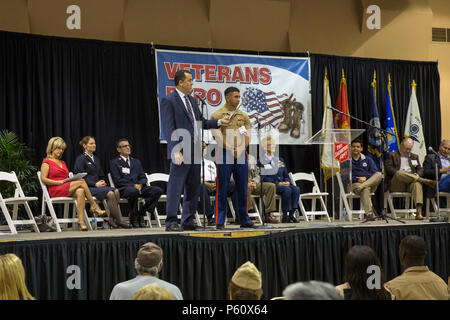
<point>404,174</point>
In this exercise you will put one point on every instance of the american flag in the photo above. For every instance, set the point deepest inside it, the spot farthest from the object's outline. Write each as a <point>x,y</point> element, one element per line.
<point>265,106</point>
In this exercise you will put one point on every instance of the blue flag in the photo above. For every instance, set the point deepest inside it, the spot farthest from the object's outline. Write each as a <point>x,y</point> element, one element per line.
<point>374,146</point>
<point>392,139</point>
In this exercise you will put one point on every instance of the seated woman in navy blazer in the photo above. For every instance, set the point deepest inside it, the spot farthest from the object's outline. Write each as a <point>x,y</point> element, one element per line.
<point>279,175</point>
<point>95,179</point>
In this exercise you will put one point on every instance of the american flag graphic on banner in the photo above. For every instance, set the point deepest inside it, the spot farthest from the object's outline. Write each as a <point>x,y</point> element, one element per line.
<point>265,106</point>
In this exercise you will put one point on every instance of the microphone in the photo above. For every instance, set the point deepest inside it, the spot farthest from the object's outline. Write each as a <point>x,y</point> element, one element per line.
<point>432,150</point>
<point>198,95</point>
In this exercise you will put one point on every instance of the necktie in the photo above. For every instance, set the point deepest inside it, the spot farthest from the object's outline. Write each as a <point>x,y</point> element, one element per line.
<point>190,114</point>
<point>128,162</point>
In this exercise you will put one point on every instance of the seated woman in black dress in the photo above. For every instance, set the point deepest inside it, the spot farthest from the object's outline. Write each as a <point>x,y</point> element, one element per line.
<point>90,164</point>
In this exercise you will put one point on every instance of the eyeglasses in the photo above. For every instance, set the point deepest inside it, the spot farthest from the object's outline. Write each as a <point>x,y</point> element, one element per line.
<point>125,146</point>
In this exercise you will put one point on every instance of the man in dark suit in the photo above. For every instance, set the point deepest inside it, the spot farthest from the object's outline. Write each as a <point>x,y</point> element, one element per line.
<point>181,121</point>
<point>442,160</point>
<point>130,179</point>
<point>289,192</point>
<point>404,174</point>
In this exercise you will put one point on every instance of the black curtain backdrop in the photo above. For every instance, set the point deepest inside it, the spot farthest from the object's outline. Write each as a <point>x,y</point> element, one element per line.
<point>202,267</point>
<point>68,87</point>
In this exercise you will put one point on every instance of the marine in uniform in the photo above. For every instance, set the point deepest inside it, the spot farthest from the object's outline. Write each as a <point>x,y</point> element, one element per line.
<point>232,140</point>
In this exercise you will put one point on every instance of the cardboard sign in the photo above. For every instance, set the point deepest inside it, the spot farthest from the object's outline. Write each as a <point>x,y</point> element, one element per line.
<point>341,151</point>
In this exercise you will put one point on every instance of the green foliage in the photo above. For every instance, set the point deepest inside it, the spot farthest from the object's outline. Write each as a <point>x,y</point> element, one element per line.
<point>16,156</point>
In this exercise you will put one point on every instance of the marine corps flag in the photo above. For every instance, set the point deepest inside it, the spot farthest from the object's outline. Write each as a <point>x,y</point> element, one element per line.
<point>413,126</point>
<point>327,162</point>
<point>342,121</point>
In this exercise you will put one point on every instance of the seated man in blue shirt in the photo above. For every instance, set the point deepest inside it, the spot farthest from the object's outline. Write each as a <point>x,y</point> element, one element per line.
<point>365,177</point>
<point>442,160</point>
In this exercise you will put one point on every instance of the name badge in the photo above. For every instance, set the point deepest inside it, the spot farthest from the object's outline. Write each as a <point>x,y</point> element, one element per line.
<point>414,163</point>
<point>364,164</point>
<point>125,170</point>
<point>267,167</point>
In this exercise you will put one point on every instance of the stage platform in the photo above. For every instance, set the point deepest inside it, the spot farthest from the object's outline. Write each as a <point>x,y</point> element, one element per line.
<point>201,262</point>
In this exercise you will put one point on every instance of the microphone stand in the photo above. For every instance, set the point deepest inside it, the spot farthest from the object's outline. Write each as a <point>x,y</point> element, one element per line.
<point>203,171</point>
<point>383,133</point>
<point>438,218</point>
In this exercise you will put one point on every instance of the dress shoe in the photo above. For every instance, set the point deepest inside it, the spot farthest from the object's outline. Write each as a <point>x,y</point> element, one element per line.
<point>220,227</point>
<point>134,222</point>
<point>285,219</point>
<point>419,216</point>
<point>82,226</point>
<point>96,211</point>
<point>250,225</point>
<point>112,223</point>
<point>190,227</point>
<point>124,225</point>
<point>370,217</point>
<point>173,227</point>
<point>211,221</point>
<point>142,222</point>
<point>292,218</point>
<point>269,219</point>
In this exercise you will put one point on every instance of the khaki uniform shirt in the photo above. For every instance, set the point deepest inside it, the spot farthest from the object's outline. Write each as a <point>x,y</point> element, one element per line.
<point>230,132</point>
<point>418,283</point>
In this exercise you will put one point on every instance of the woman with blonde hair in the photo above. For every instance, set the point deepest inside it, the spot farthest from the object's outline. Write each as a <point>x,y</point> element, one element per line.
<point>53,174</point>
<point>12,279</point>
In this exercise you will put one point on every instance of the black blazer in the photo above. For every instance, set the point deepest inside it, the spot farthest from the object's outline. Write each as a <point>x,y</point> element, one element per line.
<point>94,170</point>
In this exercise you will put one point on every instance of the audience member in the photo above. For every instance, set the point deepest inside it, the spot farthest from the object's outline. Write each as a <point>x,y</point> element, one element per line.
<point>130,179</point>
<point>416,282</point>
<point>357,261</point>
<point>289,192</point>
<point>148,264</point>
<point>246,283</point>
<point>53,174</point>
<point>404,174</point>
<point>311,290</point>
<point>153,291</point>
<point>12,279</point>
<point>95,179</point>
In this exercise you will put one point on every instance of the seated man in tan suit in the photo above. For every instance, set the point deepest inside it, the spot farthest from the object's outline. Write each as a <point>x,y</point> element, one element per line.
<point>404,174</point>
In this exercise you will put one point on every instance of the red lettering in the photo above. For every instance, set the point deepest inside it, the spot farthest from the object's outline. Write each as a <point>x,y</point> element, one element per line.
<point>198,71</point>
<point>185,66</point>
<point>265,76</point>
<point>210,73</point>
<point>171,71</point>
<point>251,73</point>
<point>237,75</point>
<point>223,72</point>
<point>169,90</point>
<point>214,97</point>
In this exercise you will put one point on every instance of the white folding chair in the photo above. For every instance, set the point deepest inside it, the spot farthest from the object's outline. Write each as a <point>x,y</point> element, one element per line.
<point>346,201</point>
<point>315,195</point>
<point>446,210</point>
<point>163,177</point>
<point>407,196</point>
<point>67,201</point>
<point>18,199</point>
<point>250,214</point>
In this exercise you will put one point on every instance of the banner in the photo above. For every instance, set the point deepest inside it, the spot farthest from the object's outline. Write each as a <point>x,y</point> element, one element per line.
<point>342,121</point>
<point>274,90</point>
<point>413,126</point>
<point>374,145</point>
<point>391,126</point>
<point>327,161</point>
